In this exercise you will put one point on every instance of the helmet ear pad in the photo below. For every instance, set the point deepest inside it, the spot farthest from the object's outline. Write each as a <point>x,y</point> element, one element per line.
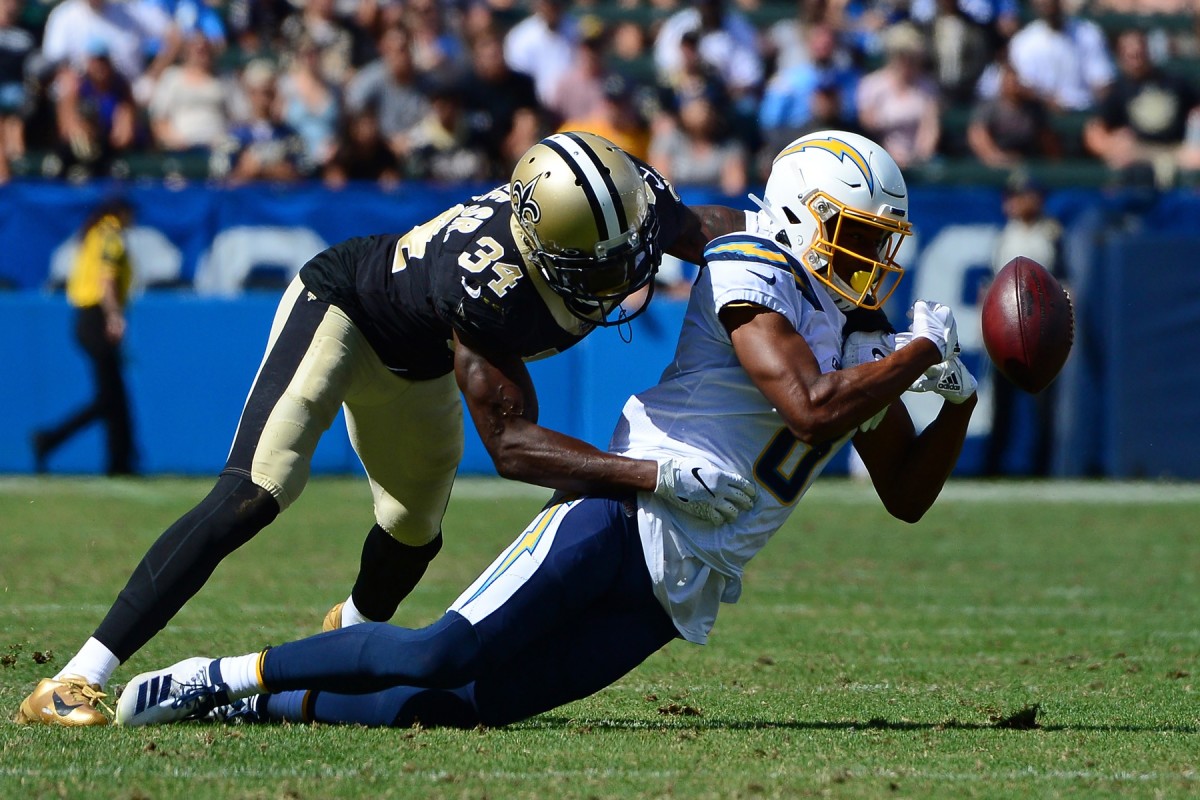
<point>588,217</point>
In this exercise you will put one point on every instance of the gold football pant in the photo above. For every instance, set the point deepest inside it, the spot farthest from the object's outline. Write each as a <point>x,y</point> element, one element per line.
<point>408,434</point>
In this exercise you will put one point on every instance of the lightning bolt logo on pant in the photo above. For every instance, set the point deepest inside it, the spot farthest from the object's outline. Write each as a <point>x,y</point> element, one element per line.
<point>526,544</point>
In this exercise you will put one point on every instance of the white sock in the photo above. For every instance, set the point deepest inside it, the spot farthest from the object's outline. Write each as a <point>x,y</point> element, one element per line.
<point>240,674</point>
<point>350,613</point>
<point>94,662</point>
<point>285,706</point>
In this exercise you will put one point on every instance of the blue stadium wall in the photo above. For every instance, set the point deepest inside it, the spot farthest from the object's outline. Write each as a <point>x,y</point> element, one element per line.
<point>1128,403</point>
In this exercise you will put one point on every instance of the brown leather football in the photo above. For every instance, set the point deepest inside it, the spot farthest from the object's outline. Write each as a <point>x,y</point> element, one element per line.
<point>1028,324</point>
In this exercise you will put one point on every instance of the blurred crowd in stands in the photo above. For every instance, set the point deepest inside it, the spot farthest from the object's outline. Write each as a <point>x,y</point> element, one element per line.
<point>708,91</point>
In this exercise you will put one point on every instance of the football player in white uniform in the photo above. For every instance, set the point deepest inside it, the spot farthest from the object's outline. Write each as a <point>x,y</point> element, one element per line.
<point>782,359</point>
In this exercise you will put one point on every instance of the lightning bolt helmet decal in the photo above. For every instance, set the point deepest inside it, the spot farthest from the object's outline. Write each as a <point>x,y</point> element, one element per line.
<point>838,148</point>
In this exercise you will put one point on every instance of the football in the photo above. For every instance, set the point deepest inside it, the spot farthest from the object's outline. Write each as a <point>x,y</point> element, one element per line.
<point>1028,324</point>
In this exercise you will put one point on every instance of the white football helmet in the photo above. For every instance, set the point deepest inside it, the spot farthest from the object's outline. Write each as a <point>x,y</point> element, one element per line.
<point>588,216</point>
<point>820,181</point>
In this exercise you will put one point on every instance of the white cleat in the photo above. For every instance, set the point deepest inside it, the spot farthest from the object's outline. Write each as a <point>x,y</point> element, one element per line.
<point>247,711</point>
<point>187,690</point>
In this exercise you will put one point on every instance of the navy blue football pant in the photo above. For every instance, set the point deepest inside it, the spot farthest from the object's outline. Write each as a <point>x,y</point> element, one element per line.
<point>585,616</point>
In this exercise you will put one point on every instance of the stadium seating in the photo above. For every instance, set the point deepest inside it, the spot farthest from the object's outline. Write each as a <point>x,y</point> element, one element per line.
<point>190,166</point>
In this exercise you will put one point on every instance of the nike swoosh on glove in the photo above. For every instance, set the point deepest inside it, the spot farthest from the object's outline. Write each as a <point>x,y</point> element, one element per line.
<point>865,347</point>
<point>702,490</point>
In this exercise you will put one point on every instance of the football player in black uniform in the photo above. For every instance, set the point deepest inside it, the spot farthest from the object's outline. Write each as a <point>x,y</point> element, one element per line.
<point>392,328</point>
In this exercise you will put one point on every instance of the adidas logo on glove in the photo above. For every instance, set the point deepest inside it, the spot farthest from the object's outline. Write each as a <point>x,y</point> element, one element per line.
<point>950,383</point>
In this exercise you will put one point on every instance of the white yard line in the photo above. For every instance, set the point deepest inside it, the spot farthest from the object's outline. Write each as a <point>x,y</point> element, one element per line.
<point>832,490</point>
<point>1043,491</point>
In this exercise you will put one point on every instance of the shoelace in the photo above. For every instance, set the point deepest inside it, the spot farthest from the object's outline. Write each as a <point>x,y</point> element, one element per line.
<point>90,695</point>
<point>205,696</point>
<point>236,712</point>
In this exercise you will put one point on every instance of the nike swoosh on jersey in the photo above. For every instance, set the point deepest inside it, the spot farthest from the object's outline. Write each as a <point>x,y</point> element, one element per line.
<point>770,280</point>
<point>751,249</point>
<point>473,291</point>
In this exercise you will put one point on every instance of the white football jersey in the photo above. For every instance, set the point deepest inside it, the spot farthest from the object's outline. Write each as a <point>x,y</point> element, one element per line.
<point>705,405</point>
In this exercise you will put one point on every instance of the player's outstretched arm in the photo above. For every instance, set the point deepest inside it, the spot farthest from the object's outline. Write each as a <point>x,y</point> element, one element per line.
<point>818,407</point>
<point>503,405</point>
<point>502,402</point>
<point>908,470</point>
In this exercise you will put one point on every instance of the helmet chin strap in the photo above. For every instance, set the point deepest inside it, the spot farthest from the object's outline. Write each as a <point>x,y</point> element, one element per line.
<point>843,303</point>
<point>763,204</point>
<point>777,222</point>
<point>624,329</point>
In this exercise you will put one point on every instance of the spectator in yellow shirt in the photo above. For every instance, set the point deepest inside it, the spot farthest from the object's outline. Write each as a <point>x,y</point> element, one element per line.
<point>98,288</point>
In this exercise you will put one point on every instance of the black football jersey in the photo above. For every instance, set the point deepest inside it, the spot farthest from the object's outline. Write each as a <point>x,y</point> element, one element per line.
<point>461,271</point>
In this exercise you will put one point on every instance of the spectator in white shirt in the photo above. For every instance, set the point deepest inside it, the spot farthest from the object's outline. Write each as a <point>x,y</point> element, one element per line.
<point>1063,59</point>
<point>728,43</point>
<point>542,46</point>
<point>124,28</point>
<point>189,107</point>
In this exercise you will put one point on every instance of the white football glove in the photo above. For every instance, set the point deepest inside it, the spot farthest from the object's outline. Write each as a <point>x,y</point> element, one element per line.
<point>935,322</point>
<point>951,379</point>
<point>696,487</point>
<point>865,347</point>
<point>905,338</point>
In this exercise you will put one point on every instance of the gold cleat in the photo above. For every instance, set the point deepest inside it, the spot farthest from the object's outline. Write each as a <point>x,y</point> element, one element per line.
<point>333,620</point>
<point>69,701</point>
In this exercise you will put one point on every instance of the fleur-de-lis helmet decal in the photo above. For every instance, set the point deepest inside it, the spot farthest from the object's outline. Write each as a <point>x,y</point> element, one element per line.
<point>528,209</point>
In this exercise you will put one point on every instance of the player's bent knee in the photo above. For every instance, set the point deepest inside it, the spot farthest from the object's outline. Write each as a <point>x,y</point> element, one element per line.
<point>444,655</point>
<point>412,528</point>
<point>236,509</point>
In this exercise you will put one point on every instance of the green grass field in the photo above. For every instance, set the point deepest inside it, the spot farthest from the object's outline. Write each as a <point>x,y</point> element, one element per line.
<point>1024,640</point>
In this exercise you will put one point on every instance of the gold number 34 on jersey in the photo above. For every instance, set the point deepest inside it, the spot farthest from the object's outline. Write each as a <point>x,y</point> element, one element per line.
<point>486,256</point>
